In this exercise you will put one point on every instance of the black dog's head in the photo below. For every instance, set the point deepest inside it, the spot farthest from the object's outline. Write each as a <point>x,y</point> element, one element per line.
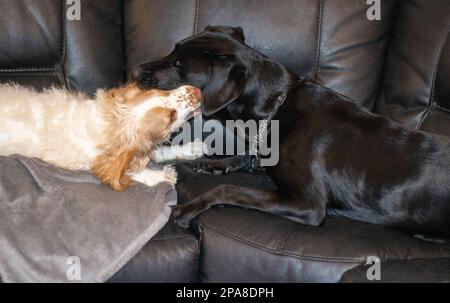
<point>230,74</point>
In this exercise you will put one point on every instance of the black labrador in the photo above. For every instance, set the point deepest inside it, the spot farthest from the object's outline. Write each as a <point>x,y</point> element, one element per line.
<point>335,156</point>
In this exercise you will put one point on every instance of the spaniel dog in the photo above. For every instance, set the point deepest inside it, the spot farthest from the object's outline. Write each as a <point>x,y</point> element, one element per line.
<point>114,135</point>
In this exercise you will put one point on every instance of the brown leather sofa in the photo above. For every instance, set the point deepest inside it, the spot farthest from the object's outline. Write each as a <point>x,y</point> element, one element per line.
<point>398,66</point>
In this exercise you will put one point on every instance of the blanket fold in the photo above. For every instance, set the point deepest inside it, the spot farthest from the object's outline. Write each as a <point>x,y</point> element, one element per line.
<point>62,226</point>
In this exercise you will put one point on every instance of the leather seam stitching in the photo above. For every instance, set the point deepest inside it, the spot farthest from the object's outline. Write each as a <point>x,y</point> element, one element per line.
<point>441,114</point>
<point>290,254</point>
<point>441,108</point>
<point>435,109</point>
<point>436,68</point>
<point>280,239</point>
<point>42,69</point>
<point>285,237</point>
<point>62,61</point>
<point>27,69</point>
<point>196,14</point>
<point>170,238</point>
<point>319,39</point>
<point>424,117</point>
<point>390,260</point>
<point>53,73</point>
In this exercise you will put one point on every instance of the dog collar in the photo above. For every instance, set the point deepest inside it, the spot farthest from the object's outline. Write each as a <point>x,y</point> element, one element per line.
<point>281,99</point>
<point>264,126</point>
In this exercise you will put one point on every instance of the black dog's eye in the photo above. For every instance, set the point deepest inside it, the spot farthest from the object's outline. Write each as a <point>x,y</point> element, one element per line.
<point>222,57</point>
<point>212,55</point>
<point>209,53</point>
<point>177,63</point>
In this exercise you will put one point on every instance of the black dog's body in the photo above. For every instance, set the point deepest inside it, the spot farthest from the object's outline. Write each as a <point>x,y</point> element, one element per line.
<point>361,165</point>
<point>335,156</point>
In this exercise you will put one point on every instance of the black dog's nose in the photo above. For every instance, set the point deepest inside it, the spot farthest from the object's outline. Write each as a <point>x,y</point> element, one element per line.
<point>143,76</point>
<point>150,82</point>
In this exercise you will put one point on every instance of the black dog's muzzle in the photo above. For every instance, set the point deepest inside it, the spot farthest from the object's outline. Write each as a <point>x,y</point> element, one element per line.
<point>143,76</point>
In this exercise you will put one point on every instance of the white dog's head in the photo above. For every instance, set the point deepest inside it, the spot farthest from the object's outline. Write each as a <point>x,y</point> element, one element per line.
<point>182,102</point>
<point>137,121</point>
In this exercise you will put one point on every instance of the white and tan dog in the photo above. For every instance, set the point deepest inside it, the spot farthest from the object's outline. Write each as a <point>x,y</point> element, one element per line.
<point>114,135</point>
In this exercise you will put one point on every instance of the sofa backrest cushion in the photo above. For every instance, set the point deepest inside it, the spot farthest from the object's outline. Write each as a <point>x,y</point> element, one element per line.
<point>41,47</point>
<point>330,41</point>
<point>416,85</point>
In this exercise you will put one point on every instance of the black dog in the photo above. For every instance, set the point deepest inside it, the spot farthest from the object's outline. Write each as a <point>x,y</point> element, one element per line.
<point>335,156</point>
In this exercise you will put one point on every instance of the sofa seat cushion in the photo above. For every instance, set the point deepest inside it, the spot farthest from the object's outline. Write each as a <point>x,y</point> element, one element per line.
<point>404,271</point>
<point>249,246</point>
<point>172,256</point>
<point>241,245</point>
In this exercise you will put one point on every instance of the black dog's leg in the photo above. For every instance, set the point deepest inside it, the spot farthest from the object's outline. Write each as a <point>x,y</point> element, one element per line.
<point>270,201</point>
<point>224,166</point>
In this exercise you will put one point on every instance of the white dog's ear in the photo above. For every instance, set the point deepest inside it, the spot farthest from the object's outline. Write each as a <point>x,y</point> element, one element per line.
<point>111,167</point>
<point>119,95</point>
<point>111,96</point>
<point>156,124</point>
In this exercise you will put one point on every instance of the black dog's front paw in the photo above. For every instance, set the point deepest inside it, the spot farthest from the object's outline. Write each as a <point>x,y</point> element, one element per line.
<point>212,169</point>
<point>224,166</point>
<point>209,167</point>
<point>181,216</point>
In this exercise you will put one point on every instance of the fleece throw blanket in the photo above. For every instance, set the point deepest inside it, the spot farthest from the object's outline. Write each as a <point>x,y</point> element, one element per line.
<point>62,226</point>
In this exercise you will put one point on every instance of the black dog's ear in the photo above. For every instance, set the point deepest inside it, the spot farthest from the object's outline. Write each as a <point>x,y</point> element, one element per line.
<point>223,88</point>
<point>235,32</point>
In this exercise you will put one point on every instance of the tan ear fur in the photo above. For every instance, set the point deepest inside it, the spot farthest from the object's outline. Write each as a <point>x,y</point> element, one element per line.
<point>125,150</point>
<point>158,122</point>
<point>111,167</point>
<point>122,94</point>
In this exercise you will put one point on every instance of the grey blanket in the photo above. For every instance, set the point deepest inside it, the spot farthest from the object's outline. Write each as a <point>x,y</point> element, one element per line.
<point>61,226</point>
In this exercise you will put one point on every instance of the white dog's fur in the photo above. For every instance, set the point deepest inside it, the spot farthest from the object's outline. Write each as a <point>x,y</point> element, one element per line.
<point>114,135</point>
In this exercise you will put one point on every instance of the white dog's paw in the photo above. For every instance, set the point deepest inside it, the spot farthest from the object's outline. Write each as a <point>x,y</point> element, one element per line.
<point>188,151</point>
<point>170,174</point>
<point>152,177</point>
<point>193,150</point>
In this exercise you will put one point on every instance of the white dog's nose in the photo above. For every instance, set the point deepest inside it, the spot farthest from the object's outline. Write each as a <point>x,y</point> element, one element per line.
<point>193,94</point>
